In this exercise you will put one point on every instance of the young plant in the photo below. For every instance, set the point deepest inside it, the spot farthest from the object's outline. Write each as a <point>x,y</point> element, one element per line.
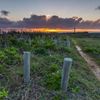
<point>3,93</point>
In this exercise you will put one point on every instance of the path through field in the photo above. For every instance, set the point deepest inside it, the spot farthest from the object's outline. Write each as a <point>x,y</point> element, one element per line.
<point>92,65</point>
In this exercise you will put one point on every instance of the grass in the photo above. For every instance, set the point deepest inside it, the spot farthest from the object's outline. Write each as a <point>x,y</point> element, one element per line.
<point>91,46</point>
<point>46,67</point>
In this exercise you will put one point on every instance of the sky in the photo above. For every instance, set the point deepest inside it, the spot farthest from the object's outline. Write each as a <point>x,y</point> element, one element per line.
<point>66,14</point>
<point>64,8</point>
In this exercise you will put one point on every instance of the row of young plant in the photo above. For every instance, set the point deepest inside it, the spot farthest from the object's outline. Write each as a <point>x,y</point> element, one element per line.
<point>11,56</point>
<point>47,55</point>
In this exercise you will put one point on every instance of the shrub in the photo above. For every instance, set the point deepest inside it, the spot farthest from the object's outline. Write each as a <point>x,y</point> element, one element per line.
<point>49,44</point>
<point>12,56</point>
<point>53,68</point>
<point>52,81</point>
<point>3,93</point>
<point>40,50</point>
<point>2,56</point>
<point>91,50</point>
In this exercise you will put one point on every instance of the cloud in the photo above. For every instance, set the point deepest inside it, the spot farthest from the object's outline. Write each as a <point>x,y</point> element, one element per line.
<point>53,22</point>
<point>98,8</point>
<point>5,13</point>
<point>5,23</point>
<point>36,21</point>
<point>89,24</point>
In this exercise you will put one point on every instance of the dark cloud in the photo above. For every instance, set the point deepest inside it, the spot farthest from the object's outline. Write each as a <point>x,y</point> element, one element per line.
<point>54,22</point>
<point>89,24</point>
<point>57,22</point>
<point>5,23</point>
<point>4,13</point>
<point>98,8</point>
<point>36,21</point>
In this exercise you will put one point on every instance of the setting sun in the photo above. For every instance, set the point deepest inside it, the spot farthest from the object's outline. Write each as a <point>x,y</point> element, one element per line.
<point>48,17</point>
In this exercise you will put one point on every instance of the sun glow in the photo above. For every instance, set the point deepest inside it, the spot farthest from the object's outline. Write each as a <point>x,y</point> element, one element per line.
<point>48,30</point>
<point>59,30</point>
<point>48,17</point>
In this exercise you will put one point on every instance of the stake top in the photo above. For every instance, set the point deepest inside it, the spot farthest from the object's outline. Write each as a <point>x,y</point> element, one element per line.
<point>26,52</point>
<point>68,59</point>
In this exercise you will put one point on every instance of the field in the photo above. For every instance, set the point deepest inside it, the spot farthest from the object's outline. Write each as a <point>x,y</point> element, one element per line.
<point>47,55</point>
<point>91,46</point>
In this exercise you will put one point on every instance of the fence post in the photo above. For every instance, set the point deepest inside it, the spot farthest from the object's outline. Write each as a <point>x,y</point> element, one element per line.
<point>68,43</point>
<point>65,73</point>
<point>26,68</point>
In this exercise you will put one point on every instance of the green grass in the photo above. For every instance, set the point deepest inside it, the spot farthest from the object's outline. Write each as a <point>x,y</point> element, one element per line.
<point>46,68</point>
<point>91,46</point>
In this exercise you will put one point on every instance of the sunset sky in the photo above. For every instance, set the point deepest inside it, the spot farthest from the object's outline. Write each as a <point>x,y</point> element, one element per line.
<point>64,8</point>
<point>17,10</point>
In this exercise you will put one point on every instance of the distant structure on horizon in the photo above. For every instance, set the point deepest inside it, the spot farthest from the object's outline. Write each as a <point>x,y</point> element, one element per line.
<point>74,29</point>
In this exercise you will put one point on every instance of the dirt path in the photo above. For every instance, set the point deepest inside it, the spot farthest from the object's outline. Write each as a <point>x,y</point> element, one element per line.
<point>92,65</point>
